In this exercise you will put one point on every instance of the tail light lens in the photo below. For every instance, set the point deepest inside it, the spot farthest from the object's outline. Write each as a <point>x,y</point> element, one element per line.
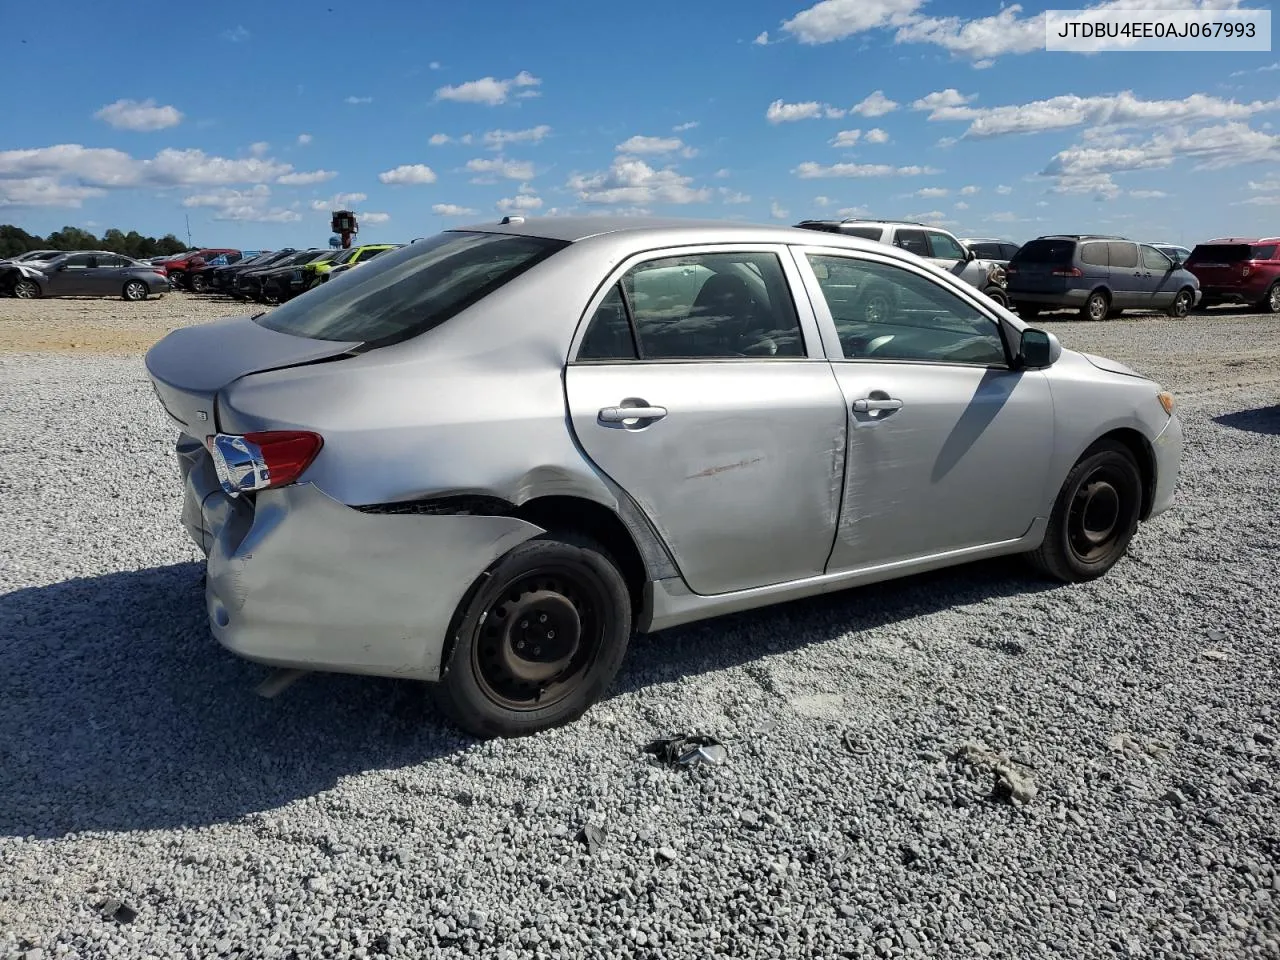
<point>1010,270</point>
<point>258,461</point>
<point>1072,272</point>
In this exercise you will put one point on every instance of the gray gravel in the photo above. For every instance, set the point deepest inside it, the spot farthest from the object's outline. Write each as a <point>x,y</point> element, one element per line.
<point>967,764</point>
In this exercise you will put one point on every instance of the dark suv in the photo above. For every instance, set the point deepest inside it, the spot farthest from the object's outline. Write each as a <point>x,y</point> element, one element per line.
<point>1233,270</point>
<point>1098,275</point>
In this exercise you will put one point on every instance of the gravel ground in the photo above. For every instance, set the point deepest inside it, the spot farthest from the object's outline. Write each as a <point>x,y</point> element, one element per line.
<point>859,812</point>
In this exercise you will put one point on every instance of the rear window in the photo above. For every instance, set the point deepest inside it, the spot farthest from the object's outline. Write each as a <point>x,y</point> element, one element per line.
<point>410,290</point>
<point>1047,251</point>
<point>1221,252</point>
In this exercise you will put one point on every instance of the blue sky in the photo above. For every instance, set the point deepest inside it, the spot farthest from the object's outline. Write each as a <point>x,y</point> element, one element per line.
<point>255,123</point>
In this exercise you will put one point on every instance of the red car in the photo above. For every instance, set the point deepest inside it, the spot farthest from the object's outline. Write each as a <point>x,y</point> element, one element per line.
<point>177,269</point>
<point>1238,270</point>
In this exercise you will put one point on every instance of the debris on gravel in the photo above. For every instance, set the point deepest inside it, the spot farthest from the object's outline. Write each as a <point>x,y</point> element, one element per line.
<point>857,815</point>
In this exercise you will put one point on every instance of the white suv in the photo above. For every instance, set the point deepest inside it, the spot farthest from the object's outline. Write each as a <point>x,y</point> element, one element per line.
<point>932,243</point>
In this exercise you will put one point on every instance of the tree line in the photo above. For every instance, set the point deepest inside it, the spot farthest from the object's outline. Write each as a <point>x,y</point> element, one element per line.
<point>15,240</point>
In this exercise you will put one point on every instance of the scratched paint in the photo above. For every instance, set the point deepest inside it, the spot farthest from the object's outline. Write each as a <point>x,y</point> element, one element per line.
<point>724,468</point>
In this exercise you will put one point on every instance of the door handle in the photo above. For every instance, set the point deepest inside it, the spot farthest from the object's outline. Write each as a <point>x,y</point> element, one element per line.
<point>866,405</point>
<point>620,414</point>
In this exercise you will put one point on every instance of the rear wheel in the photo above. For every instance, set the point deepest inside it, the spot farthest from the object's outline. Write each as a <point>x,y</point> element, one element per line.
<point>539,641</point>
<point>178,279</point>
<point>1096,307</point>
<point>198,284</point>
<point>1094,517</point>
<point>26,289</point>
<point>998,295</point>
<point>135,290</point>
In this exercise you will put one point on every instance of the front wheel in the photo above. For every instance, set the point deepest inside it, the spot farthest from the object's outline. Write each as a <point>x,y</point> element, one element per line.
<point>1181,305</point>
<point>539,641</point>
<point>998,295</point>
<point>198,284</point>
<point>26,289</point>
<point>1094,517</point>
<point>1271,302</point>
<point>135,290</point>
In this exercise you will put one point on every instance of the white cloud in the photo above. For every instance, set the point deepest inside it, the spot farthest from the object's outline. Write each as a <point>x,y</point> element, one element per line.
<point>762,39</point>
<point>846,138</point>
<point>836,19</point>
<point>1003,216</point>
<point>1211,148</point>
<point>961,205</point>
<point>434,65</point>
<point>439,139</point>
<point>969,191</point>
<point>780,112</point>
<point>141,116</point>
<point>728,195</point>
<point>632,182</point>
<point>409,173</point>
<point>260,148</point>
<point>822,201</point>
<point>304,139</point>
<point>875,104</point>
<point>306,178</point>
<point>44,192</point>
<point>721,173</point>
<point>950,97</point>
<point>520,202</point>
<point>1265,186</point>
<point>248,206</point>
<point>811,171</point>
<point>934,218</point>
<point>373,217</point>
<point>106,167</point>
<point>451,210</point>
<point>1267,69</point>
<point>876,135</point>
<point>777,211</point>
<point>354,100</point>
<point>1004,190</point>
<point>650,145</point>
<point>1251,202</point>
<point>237,34</point>
<point>1114,110</point>
<point>853,212</point>
<point>339,201</point>
<point>979,39</point>
<point>497,139</point>
<point>932,193</point>
<point>488,90</point>
<point>497,166</point>
<point>682,127</point>
<point>1148,194</point>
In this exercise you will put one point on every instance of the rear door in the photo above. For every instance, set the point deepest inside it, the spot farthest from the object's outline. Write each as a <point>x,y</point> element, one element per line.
<point>107,276</point>
<point>735,452</point>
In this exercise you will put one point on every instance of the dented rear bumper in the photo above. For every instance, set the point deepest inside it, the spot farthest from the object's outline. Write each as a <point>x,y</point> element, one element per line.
<point>297,579</point>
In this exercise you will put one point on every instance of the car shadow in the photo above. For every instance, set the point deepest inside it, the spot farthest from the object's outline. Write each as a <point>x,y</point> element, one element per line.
<point>1265,420</point>
<point>119,712</point>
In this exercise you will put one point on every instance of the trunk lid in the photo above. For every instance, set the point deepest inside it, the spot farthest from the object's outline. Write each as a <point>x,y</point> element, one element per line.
<point>190,365</point>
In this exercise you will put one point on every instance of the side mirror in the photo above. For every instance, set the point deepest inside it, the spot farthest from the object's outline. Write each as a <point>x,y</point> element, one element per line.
<point>1037,349</point>
<point>969,255</point>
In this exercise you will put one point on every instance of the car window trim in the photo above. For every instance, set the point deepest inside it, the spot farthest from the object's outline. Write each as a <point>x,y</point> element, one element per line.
<point>810,331</point>
<point>826,323</point>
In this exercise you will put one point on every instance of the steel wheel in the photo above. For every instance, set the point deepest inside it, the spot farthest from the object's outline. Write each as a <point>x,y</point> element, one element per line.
<point>26,289</point>
<point>1181,305</point>
<point>135,290</point>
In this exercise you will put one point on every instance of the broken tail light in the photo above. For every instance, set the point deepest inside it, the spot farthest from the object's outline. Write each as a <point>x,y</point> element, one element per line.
<point>258,461</point>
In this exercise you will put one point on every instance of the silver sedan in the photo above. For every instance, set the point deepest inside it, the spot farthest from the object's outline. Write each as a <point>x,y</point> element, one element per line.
<point>487,458</point>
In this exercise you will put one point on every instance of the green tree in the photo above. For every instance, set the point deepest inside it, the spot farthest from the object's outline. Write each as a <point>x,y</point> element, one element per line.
<point>72,238</point>
<point>114,241</point>
<point>15,240</point>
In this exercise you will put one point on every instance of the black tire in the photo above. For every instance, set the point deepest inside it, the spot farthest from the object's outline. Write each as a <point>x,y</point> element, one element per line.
<point>1096,307</point>
<point>134,291</point>
<point>179,279</point>
<point>198,284</point>
<point>998,295</point>
<point>1094,516</point>
<point>1182,303</point>
<point>490,688</point>
<point>1271,302</point>
<point>26,289</point>
<point>1028,310</point>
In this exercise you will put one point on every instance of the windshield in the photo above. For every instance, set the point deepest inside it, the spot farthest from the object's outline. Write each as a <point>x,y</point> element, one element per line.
<point>1046,251</point>
<point>410,290</point>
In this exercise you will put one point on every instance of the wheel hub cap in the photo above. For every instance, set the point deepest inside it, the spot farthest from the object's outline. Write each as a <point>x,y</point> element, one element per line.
<point>1101,512</point>
<point>540,636</point>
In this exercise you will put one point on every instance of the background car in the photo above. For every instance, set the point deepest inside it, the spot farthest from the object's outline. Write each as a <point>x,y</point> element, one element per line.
<point>318,270</point>
<point>991,249</point>
<point>1100,276</point>
<point>288,279</point>
<point>369,502</point>
<point>1234,270</point>
<point>94,273</point>
<point>932,243</point>
<point>177,267</point>
<point>1175,252</point>
<point>221,279</point>
<point>247,285</point>
<point>199,275</point>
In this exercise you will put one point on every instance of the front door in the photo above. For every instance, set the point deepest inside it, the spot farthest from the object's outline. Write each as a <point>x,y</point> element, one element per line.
<point>700,388</point>
<point>1131,284</point>
<point>1162,278</point>
<point>72,277</point>
<point>948,446</point>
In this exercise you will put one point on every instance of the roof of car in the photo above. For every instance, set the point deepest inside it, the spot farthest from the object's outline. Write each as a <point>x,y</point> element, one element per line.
<point>1245,240</point>
<point>573,229</point>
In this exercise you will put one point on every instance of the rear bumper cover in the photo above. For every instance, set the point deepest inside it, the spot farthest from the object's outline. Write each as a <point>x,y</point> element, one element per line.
<point>1062,298</point>
<point>300,580</point>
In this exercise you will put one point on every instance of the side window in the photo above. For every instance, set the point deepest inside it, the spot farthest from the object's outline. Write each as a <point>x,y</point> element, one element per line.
<point>1153,259</point>
<point>364,255</point>
<point>884,312</point>
<point>1094,254</point>
<point>912,240</point>
<point>945,247</point>
<point>113,262</point>
<point>704,306</point>
<point>81,261</point>
<point>1123,254</point>
<point>1267,252</point>
<point>608,334</point>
